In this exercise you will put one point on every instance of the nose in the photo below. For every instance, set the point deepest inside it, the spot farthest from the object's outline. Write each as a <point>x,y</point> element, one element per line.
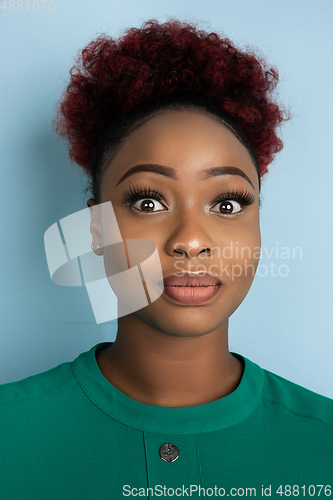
<point>190,237</point>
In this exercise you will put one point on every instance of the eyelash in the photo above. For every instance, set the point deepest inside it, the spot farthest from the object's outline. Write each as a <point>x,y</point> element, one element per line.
<point>133,194</point>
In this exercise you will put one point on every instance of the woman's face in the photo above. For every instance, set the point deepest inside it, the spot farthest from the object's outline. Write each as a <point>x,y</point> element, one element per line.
<point>221,238</point>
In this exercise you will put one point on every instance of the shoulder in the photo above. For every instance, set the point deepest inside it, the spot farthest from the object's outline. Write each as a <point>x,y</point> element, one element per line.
<point>50,382</point>
<point>297,402</point>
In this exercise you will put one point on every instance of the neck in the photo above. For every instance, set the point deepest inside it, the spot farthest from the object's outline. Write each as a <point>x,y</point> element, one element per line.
<point>167,370</point>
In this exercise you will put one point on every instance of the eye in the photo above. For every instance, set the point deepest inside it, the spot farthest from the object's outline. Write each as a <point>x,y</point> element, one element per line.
<point>145,198</point>
<point>229,207</point>
<point>233,202</point>
<point>147,205</point>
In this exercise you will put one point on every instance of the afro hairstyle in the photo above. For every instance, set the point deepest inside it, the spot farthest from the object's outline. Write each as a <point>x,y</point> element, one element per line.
<point>116,83</point>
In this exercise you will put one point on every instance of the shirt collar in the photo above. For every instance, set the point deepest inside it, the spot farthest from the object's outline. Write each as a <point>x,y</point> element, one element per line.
<point>207,417</point>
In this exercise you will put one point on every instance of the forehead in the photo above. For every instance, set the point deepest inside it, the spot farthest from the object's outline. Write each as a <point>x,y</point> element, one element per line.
<point>186,140</point>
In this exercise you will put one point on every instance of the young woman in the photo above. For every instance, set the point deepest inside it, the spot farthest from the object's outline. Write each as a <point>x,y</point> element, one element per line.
<point>175,127</point>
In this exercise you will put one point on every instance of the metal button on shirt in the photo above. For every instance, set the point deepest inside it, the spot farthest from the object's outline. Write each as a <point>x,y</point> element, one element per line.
<point>169,452</point>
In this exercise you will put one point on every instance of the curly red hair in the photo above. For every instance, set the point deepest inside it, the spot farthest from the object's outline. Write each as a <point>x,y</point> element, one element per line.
<point>112,77</point>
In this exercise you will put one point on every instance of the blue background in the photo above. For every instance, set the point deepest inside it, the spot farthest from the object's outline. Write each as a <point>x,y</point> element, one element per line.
<point>284,324</point>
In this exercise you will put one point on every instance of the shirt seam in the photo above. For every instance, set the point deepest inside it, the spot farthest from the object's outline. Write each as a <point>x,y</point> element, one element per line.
<point>147,461</point>
<point>298,414</point>
<point>39,396</point>
<point>198,459</point>
<point>91,399</point>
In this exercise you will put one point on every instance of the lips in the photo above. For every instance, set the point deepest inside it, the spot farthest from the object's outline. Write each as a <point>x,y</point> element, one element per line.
<point>192,289</point>
<point>187,279</point>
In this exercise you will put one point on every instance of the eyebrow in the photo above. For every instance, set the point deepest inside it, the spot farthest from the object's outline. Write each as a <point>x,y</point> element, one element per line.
<point>171,172</point>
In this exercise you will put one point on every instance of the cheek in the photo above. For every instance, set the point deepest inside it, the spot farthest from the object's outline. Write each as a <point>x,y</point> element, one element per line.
<point>249,245</point>
<point>240,257</point>
<point>127,223</point>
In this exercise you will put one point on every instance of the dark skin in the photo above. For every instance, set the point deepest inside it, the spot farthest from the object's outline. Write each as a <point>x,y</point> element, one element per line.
<point>167,353</point>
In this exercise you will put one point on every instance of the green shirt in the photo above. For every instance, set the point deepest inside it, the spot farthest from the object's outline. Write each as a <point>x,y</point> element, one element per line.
<point>68,433</point>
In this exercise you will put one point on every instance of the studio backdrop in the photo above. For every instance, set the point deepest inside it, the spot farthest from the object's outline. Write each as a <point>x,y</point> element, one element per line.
<point>285,322</point>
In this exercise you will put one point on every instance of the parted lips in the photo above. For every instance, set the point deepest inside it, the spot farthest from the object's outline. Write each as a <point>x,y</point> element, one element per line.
<point>192,279</point>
